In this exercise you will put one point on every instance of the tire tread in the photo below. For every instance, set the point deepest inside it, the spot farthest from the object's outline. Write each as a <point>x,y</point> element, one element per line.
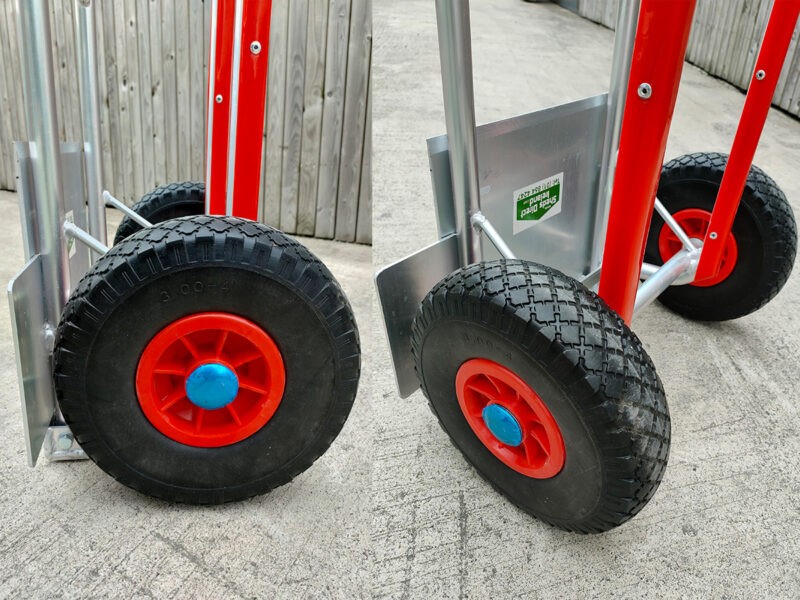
<point>170,246</point>
<point>611,378</point>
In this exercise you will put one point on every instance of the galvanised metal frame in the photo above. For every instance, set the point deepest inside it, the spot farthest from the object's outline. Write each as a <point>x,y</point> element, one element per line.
<point>648,59</point>
<point>61,210</point>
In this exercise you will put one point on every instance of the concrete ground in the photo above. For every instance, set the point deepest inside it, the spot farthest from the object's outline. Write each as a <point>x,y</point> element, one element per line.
<point>70,531</point>
<point>725,523</point>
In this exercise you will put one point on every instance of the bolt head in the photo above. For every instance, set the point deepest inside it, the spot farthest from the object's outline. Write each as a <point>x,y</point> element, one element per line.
<point>760,74</point>
<point>218,98</point>
<point>645,90</point>
<point>65,441</point>
<point>255,47</point>
<point>713,235</point>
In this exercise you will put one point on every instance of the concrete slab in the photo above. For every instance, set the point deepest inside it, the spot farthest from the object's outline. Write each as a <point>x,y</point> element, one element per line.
<point>725,521</point>
<point>70,531</point>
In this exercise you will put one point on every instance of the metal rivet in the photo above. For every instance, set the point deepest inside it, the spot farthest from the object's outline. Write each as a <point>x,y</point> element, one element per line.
<point>645,91</point>
<point>255,47</point>
<point>218,98</point>
<point>760,74</point>
<point>65,441</point>
<point>713,235</point>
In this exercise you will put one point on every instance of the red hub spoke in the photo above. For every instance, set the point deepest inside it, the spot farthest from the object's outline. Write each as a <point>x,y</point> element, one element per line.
<point>171,370</point>
<point>198,415</point>
<point>173,399</point>
<point>221,343</point>
<point>252,386</point>
<point>235,363</point>
<point>238,362</point>
<point>234,414</point>
<point>190,347</point>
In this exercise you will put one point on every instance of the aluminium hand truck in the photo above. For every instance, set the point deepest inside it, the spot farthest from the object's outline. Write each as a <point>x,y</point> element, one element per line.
<point>205,357</point>
<point>539,381</point>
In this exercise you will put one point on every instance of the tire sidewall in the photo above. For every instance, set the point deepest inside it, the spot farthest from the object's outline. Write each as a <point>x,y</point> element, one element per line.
<point>572,494</point>
<point>98,395</point>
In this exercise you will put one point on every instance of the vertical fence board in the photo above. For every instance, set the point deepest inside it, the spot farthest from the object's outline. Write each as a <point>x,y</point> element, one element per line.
<point>312,115</point>
<point>183,67</point>
<point>127,191</point>
<point>170,74</point>
<point>364,222</point>
<point>293,113</point>
<point>146,92</point>
<point>197,93</point>
<point>157,92</point>
<point>115,180</point>
<point>355,111</point>
<point>102,90</point>
<point>7,124</point>
<point>135,90</point>
<point>272,154</point>
<point>11,71</point>
<point>332,117</point>
<point>152,74</point>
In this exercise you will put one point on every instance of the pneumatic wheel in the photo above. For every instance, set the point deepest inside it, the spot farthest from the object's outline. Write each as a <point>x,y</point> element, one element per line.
<point>545,391</point>
<point>171,201</point>
<point>759,252</point>
<point>206,359</point>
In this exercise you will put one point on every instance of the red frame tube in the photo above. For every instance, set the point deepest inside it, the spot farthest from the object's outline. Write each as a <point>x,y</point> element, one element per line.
<point>234,132</point>
<point>658,54</point>
<point>771,57</point>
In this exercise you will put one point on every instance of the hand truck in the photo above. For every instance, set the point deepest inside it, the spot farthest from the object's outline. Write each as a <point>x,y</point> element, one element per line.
<point>539,381</point>
<point>205,357</point>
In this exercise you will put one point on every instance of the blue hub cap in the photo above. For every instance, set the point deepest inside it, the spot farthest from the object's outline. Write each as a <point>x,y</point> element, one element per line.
<point>212,386</point>
<point>502,424</point>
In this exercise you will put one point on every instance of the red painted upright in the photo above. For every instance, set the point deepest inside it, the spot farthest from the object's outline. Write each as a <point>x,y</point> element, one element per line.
<point>658,54</point>
<point>766,73</point>
<point>236,104</point>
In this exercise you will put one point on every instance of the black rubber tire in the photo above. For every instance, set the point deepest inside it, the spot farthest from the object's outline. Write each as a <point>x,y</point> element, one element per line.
<point>150,280</point>
<point>580,358</point>
<point>764,229</point>
<point>171,201</point>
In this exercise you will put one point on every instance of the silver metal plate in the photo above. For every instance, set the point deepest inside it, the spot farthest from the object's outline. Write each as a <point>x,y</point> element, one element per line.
<point>26,298</point>
<point>401,288</point>
<point>514,153</point>
<point>75,195</point>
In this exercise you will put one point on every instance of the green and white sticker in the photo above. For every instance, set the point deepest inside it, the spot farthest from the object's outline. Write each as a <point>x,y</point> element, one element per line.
<point>537,202</point>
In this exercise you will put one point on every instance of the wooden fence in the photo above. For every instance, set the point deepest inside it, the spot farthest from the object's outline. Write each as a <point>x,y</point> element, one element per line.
<point>724,42</point>
<point>152,57</point>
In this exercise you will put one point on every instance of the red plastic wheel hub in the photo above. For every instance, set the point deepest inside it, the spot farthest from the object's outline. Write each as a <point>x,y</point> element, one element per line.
<point>695,221</point>
<point>485,389</point>
<point>250,379</point>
